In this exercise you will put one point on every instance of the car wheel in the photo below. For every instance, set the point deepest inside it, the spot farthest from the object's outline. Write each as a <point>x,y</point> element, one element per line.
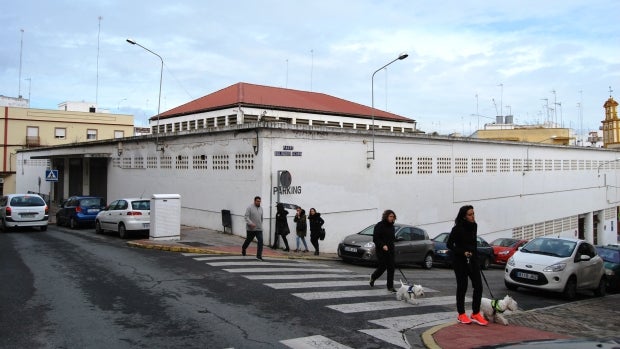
<point>428,261</point>
<point>510,286</point>
<point>43,227</point>
<point>122,231</point>
<point>98,229</point>
<point>570,290</point>
<point>486,263</point>
<point>601,290</point>
<point>73,224</point>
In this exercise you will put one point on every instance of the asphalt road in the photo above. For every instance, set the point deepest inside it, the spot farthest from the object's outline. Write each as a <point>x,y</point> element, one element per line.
<point>76,289</point>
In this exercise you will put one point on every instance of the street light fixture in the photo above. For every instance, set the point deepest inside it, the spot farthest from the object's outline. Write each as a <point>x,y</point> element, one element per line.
<point>161,74</point>
<point>598,170</point>
<point>402,56</point>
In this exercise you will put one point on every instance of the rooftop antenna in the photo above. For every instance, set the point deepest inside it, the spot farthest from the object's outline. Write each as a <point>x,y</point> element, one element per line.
<point>501,100</point>
<point>555,113</point>
<point>546,107</point>
<point>495,104</point>
<point>21,47</point>
<point>97,86</point>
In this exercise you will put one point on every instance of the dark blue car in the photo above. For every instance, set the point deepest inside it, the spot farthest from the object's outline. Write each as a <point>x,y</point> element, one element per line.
<point>79,211</point>
<point>443,256</point>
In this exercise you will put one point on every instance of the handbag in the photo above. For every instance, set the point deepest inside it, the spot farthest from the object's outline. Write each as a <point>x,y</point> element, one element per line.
<point>322,235</point>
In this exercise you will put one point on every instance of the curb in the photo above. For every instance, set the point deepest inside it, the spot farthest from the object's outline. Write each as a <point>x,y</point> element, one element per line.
<point>427,336</point>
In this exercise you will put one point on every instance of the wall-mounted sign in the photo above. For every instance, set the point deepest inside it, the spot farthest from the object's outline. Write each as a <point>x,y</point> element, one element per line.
<point>287,150</point>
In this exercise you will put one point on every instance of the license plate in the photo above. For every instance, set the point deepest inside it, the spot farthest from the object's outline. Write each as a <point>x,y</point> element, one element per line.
<point>350,249</point>
<point>527,276</point>
<point>27,215</point>
<point>145,225</point>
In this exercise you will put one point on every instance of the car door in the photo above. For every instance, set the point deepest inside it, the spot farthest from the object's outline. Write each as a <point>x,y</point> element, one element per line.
<point>66,210</point>
<point>588,272</point>
<point>420,244</point>
<point>403,245</point>
<point>106,217</point>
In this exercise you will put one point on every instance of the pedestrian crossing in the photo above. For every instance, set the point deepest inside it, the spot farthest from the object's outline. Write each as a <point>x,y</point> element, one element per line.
<point>337,286</point>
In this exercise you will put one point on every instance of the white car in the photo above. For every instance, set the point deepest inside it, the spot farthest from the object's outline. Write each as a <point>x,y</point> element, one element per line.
<point>125,216</point>
<point>23,210</point>
<point>556,264</point>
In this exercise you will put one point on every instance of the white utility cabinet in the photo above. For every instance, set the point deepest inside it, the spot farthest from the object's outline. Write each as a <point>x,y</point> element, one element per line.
<point>165,217</point>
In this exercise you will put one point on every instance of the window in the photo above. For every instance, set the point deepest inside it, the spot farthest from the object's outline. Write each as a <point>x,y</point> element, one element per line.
<point>60,133</point>
<point>119,134</point>
<point>91,134</point>
<point>32,136</point>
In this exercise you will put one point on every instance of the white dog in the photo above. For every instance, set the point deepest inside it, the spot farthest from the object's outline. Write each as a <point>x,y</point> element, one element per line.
<point>494,308</point>
<point>409,292</point>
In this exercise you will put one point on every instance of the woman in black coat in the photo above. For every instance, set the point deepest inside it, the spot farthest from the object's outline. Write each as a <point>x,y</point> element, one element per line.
<point>384,236</point>
<point>463,244</point>
<point>316,223</point>
<point>282,228</point>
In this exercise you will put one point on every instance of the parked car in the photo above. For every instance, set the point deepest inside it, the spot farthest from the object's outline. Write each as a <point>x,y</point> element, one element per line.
<point>23,210</point>
<point>412,246</point>
<point>556,264</point>
<point>125,216</point>
<point>443,256</point>
<point>504,248</point>
<point>611,259</point>
<point>79,211</point>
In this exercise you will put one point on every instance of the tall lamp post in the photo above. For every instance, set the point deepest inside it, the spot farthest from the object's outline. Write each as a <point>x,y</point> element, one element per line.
<point>400,57</point>
<point>161,74</point>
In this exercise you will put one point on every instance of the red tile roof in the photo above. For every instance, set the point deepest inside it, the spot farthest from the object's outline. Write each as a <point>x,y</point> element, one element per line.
<point>267,97</point>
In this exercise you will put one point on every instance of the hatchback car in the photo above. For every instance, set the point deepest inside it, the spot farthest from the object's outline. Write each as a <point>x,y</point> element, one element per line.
<point>443,256</point>
<point>412,246</point>
<point>556,264</point>
<point>611,257</point>
<point>125,216</point>
<point>79,211</point>
<point>23,210</point>
<point>504,248</point>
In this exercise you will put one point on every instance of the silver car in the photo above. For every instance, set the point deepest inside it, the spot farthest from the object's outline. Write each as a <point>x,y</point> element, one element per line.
<point>412,246</point>
<point>23,210</point>
<point>125,216</point>
<point>563,265</point>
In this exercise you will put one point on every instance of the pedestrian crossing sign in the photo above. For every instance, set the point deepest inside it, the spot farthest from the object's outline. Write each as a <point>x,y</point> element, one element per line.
<point>51,175</point>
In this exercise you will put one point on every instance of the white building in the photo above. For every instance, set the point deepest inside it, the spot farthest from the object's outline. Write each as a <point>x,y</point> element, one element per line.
<point>518,189</point>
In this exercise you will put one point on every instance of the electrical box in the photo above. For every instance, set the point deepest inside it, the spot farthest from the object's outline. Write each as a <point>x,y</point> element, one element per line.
<point>165,217</point>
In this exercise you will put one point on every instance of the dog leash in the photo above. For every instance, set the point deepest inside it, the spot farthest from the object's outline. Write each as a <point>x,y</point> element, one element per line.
<point>486,282</point>
<point>404,277</point>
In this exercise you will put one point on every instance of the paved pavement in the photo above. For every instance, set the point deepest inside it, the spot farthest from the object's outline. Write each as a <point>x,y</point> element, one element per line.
<point>595,318</point>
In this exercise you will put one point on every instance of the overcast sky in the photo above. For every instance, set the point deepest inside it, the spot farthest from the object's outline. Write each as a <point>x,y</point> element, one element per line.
<point>537,60</point>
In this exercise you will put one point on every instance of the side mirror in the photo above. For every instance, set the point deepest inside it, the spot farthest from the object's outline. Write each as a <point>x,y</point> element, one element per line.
<point>584,258</point>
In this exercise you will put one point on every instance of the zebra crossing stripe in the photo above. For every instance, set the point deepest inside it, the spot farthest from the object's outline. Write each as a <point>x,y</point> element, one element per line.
<point>242,263</point>
<point>311,284</point>
<point>313,342</point>
<point>304,276</point>
<point>401,323</point>
<point>283,270</point>
<point>387,335</point>
<point>309,296</point>
<point>395,304</point>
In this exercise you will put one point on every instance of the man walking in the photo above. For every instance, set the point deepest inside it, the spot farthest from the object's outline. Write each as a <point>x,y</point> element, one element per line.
<point>254,227</point>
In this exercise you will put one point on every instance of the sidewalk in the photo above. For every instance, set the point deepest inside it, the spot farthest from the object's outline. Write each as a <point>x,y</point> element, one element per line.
<point>589,318</point>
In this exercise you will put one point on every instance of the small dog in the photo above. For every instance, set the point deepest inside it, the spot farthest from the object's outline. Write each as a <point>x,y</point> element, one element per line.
<point>409,292</point>
<point>494,308</point>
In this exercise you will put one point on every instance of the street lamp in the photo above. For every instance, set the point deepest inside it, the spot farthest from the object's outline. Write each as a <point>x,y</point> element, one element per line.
<point>161,74</point>
<point>598,170</point>
<point>402,56</point>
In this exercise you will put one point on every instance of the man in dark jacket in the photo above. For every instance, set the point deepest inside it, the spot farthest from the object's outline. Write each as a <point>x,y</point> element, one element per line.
<point>384,236</point>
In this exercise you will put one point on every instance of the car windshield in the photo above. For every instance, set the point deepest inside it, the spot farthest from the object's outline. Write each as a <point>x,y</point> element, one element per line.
<point>27,201</point>
<point>550,247</point>
<point>609,255</point>
<point>92,202</point>
<point>504,242</point>
<point>368,231</point>
<point>443,237</point>
<point>141,205</point>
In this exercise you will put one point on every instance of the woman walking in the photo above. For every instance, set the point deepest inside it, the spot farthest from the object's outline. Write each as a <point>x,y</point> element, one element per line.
<point>463,244</point>
<point>281,227</point>
<point>301,228</point>
<point>316,224</point>
<point>384,236</point>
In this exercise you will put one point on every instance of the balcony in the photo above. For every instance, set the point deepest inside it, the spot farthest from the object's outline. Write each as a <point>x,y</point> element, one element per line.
<point>33,141</point>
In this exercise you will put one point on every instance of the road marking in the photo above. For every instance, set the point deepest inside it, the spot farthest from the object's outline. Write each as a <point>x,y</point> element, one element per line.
<point>281,270</point>
<point>401,323</point>
<point>341,294</point>
<point>387,335</point>
<point>255,262</point>
<point>304,276</point>
<point>395,304</point>
<point>309,284</point>
<point>319,342</point>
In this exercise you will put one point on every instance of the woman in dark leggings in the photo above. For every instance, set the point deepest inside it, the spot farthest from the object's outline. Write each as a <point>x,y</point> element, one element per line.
<point>462,242</point>
<point>316,224</point>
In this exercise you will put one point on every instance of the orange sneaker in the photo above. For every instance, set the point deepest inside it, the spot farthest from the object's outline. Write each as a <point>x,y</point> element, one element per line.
<point>463,318</point>
<point>479,319</point>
